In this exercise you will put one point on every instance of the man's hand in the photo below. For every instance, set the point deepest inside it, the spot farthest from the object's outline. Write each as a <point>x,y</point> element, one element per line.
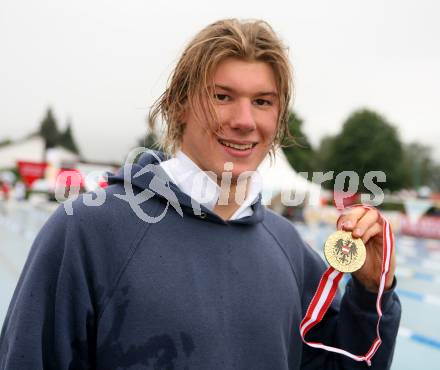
<point>368,225</point>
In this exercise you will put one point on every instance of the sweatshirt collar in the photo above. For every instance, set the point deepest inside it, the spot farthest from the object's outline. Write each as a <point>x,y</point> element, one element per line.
<point>201,187</point>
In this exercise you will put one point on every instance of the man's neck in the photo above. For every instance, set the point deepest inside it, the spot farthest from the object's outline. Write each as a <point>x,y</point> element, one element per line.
<point>233,202</point>
<point>227,203</point>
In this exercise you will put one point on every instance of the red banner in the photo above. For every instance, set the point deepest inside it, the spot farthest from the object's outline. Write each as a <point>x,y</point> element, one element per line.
<point>31,171</point>
<point>425,227</point>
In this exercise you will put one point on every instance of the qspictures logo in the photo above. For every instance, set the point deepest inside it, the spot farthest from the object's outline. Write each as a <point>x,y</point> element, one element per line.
<point>201,190</point>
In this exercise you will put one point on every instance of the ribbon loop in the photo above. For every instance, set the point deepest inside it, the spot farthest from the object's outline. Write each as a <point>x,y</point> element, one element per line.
<point>326,292</point>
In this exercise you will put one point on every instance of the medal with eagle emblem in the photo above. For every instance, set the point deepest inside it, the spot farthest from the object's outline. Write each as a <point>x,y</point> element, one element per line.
<point>343,252</point>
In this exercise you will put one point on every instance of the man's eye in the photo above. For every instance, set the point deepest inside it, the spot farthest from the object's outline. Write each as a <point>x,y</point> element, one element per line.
<point>221,97</point>
<point>262,102</point>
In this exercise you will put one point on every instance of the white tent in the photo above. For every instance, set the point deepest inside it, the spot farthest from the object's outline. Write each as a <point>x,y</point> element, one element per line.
<point>59,156</point>
<point>279,178</point>
<point>26,150</point>
<point>32,150</point>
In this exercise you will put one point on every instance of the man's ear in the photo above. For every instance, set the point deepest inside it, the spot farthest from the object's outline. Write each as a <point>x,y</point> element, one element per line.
<point>181,123</point>
<point>183,116</point>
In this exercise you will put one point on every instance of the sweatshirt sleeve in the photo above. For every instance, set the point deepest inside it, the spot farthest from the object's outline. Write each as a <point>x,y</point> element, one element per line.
<point>349,324</point>
<point>50,322</point>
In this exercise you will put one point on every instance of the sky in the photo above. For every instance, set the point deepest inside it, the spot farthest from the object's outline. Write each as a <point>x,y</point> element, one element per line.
<point>101,64</point>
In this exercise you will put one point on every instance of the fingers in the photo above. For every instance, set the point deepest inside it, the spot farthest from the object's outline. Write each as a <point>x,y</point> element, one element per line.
<point>350,217</point>
<point>371,232</point>
<point>363,223</point>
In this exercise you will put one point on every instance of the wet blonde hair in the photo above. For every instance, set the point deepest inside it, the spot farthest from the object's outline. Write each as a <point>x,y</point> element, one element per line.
<point>250,40</point>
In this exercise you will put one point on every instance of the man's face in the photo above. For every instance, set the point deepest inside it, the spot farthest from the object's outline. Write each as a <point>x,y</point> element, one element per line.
<point>247,107</point>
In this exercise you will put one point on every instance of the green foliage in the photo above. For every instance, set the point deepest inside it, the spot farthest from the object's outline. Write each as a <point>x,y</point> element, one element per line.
<point>389,206</point>
<point>300,153</point>
<point>67,141</point>
<point>323,153</point>
<point>53,137</point>
<point>5,142</point>
<point>149,141</point>
<point>419,168</point>
<point>49,130</point>
<point>435,177</point>
<point>367,143</point>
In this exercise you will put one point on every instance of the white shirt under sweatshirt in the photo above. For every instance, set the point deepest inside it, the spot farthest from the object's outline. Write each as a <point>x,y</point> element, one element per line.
<point>202,188</point>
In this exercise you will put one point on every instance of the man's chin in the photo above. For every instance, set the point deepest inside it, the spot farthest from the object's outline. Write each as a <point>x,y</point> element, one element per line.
<point>234,171</point>
<point>242,173</point>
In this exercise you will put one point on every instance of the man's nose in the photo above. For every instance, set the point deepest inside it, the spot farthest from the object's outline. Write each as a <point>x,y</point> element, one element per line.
<point>242,116</point>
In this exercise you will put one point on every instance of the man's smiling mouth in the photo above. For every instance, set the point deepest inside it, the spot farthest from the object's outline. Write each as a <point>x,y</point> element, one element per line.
<point>236,145</point>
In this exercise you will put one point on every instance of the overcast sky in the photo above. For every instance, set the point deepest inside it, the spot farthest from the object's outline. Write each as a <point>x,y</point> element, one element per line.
<point>101,64</point>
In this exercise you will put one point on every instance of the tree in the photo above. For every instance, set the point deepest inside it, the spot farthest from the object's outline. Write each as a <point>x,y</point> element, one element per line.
<point>418,165</point>
<point>300,153</point>
<point>435,177</point>
<point>367,143</point>
<point>49,130</point>
<point>5,142</point>
<point>149,141</point>
<point>67,141</point>
<point>324,152</point>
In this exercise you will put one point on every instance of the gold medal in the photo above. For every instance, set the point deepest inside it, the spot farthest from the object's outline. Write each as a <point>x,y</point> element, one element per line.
<point>343,252</point>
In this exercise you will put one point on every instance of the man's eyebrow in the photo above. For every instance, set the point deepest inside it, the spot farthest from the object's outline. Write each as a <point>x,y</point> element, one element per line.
<point>259,93</point>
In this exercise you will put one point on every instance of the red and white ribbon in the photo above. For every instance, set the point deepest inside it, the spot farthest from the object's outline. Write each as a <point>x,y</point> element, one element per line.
<point>327,290</point>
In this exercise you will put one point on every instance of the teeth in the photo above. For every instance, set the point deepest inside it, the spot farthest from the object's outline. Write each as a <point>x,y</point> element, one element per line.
<point>237,146</point>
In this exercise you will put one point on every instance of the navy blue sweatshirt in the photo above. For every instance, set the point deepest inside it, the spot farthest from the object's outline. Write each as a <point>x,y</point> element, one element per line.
<point>103,289</point>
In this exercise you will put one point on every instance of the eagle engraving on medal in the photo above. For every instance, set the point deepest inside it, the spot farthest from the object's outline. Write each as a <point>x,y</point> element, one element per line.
<point>343,252</point>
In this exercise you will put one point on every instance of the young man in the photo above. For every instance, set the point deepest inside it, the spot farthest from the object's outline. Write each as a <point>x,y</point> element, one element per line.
<point>208,282</point>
